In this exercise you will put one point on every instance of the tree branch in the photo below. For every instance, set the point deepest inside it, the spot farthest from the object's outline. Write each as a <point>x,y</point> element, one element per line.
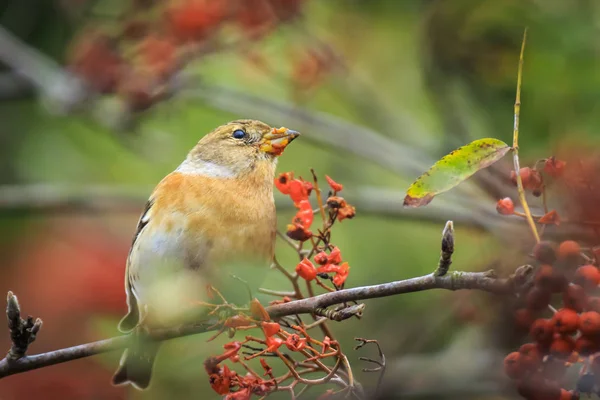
<point>485,281</point>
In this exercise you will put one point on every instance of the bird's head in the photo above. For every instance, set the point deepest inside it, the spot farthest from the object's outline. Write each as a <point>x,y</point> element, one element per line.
<point>237,147</point>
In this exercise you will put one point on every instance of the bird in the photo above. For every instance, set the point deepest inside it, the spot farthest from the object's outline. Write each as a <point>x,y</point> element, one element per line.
<point>214,211</point>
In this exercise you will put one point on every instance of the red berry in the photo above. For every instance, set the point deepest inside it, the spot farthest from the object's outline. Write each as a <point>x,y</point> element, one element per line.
<point>530,178</point>
<point>538,299</point>
<point>562,346</point>
<point>505,206</point>
<point>542,331</point>
<point>321,258</point>
<point>553,167</point>
<point>567,249</point>
<point>544,252</point>
<point>512,365</point>
<point>565,321</point>
<point>589,323</point>
<point>306,270</point>
<point>574,297</point>
<point>587,276</point>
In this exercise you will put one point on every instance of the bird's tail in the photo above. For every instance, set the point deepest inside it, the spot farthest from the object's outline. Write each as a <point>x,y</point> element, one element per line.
<point>136,363</point>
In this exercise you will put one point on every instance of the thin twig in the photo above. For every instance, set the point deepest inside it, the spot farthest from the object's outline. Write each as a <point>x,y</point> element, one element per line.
<point>515,147</point>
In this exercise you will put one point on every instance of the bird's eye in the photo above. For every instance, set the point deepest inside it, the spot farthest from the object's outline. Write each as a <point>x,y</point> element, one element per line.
<point>239,134</point>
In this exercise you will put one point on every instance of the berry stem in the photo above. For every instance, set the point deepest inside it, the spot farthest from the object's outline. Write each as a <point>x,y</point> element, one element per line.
<point>515,147</point>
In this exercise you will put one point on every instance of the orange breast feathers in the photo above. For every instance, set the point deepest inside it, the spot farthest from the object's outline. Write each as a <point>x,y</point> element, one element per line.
<point>236,216</point>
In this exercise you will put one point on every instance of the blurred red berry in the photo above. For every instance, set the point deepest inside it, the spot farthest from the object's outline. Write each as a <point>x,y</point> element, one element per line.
<point>523,318</point>
<point>538,298</point>
<point>194,20</point>
<point>544,252</point>
<point>588,276</point>
<point>574,297</point>
<point>593,304</point>
<point>553,167</point>
<point>505,206</point>
<point>589,323</point>
<point>565,321</point>
<point>512,365</point>
<point>567,249</point>
<point>531,356</point>
<point>542,331</point>
<point>549,278</point>
<point>158,54</point>
<point>95,59</point>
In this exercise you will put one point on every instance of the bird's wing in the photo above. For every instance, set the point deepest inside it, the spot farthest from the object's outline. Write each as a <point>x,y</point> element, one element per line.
<point>130,321</point>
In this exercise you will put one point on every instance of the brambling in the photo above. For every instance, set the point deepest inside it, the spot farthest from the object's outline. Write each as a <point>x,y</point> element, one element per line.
<point>214,211</point>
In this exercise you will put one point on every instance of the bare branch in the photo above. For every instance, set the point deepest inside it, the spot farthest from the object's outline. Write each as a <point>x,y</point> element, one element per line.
<point>485,281</point>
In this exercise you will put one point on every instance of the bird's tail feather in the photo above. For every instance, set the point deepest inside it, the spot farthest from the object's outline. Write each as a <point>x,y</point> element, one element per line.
<point>137,362</point>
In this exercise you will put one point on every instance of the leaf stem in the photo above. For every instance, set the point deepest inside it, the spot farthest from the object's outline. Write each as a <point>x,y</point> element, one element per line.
<point>515,147</point>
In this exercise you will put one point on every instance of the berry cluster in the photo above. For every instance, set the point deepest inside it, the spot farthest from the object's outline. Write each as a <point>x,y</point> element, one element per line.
<point>228,382</point>
<point>533,181</point>
<point>153,40</point>
<point>299,192</point>
<point>566,277</point>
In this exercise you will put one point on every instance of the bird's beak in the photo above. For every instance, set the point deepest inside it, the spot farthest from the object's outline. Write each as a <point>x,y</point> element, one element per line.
<point>276,141</point>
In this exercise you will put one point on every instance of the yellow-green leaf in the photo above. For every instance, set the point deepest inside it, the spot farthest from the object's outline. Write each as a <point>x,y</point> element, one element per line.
<point>454,168</point>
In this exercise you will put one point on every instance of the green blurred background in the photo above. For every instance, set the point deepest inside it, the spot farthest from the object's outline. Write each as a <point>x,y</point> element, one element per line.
<point>395,85</point>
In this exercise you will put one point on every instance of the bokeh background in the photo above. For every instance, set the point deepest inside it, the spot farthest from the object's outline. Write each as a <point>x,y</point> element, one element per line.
<point>99,99</point>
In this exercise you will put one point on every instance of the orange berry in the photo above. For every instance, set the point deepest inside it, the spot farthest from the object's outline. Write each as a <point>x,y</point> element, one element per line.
<point>538,299</point>
<point>562,346</point>
<point>512,365</point>
<point>589,323</point>
<point>587,276</point>
<point>565,321</point>
<point>568,248</point>
<point>574,297</point>
<point>544,252</point>
<point>505,206</point>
